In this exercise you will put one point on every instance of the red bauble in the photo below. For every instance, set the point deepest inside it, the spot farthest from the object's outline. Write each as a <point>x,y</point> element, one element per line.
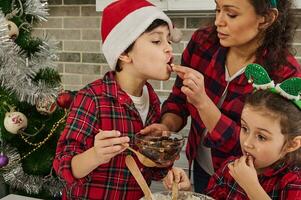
<point>65,99</point>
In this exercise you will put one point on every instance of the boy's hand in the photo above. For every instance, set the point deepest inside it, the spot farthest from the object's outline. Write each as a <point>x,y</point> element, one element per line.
<point>193,84</point>
<point>179,176</point>
<point>108,144</point>
<point>244,172</point>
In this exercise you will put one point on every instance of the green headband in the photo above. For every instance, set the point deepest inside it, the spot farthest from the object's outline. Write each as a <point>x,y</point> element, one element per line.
<point>290,88</point>
<point>273,3</point>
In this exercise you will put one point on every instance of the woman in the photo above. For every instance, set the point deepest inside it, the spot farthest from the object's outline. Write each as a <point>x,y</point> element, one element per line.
<point>212,88</point>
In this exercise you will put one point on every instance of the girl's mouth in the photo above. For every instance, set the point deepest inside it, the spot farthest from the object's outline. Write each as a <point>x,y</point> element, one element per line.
<point>249,156</point>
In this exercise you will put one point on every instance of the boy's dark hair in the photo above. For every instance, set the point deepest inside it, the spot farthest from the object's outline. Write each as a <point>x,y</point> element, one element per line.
<point>156,23</point>
<point>285,110</point>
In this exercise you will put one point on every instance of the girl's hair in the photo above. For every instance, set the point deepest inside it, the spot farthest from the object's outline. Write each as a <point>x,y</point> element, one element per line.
<point>156,23</point>
<point>278,37</point>
<point>285,110</point>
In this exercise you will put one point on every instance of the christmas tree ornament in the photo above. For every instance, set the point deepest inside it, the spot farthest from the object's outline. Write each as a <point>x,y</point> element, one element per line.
<point>46,105</point>
<point>65,99</point>
<point>289,88</point>
<point>13,30</point>
<point>3,160</point>
<point>14,122</point>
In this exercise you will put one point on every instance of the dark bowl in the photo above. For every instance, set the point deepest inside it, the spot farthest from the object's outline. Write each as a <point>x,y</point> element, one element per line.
<point>161,149</point>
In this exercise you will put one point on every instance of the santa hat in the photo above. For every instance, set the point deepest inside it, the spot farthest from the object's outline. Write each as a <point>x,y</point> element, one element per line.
<point>123,21</point>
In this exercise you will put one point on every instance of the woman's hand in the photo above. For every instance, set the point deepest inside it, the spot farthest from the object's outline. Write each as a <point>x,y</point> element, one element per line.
<point>108,144</point>
<point>179,176</point>
<point>193,85</point>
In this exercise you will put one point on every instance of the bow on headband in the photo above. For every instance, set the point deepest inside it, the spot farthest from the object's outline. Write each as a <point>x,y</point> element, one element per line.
<point>273,3</point>
<point>290,88</point>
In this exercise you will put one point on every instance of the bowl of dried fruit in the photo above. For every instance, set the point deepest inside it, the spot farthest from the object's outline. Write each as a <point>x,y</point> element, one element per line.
<point>163,148</point>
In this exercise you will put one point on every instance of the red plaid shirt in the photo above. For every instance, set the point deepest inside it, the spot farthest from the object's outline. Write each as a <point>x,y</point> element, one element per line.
<point>281,182</point>
<point>103,105</point>
<point>205,54</point>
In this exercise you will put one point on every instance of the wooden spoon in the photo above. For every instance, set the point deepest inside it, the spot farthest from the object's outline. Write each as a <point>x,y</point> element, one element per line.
<point>132,165</point>
<point>175,191</point>
<point>143,159</point>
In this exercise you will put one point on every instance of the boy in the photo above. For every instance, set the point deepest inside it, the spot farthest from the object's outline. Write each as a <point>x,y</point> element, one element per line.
<point>107,113</point>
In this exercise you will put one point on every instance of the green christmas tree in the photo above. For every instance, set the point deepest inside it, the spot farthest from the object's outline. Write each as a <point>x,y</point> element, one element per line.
<point>30,120</point>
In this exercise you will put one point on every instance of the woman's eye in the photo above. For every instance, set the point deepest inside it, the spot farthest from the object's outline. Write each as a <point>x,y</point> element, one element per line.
<point>217,10</point>
<point>232,16</point>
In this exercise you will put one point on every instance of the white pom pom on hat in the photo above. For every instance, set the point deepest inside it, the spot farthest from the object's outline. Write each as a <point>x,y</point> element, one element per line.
<point>123,21</point>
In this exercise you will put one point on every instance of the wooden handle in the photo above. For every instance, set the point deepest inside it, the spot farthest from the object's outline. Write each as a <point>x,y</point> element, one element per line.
<point>174,193</point>
<point>132,165</point>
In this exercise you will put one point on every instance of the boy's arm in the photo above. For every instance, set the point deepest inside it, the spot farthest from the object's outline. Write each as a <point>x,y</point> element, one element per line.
<point>107,144</point>
<point>78,135</point>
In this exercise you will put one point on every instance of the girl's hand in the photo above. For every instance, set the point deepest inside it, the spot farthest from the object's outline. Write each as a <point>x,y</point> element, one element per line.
<point>193,84</point>
<point>108,144</point>
<point>179,176</point>
<point>244,172</point>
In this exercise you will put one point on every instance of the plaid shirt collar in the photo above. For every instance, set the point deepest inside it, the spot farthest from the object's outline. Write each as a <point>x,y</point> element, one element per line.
<point>277,168</point>
<point>111,89</point>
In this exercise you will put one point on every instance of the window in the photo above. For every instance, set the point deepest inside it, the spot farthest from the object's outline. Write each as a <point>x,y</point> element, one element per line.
<point>178,5</point>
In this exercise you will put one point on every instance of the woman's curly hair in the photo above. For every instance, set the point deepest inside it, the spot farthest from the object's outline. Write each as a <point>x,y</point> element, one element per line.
<point>278,38</point>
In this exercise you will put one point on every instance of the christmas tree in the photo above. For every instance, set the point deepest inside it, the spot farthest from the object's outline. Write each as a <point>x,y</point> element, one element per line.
<point>30,120</point>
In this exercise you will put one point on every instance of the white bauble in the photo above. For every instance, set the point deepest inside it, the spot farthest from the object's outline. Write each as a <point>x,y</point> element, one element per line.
<point>15,121</point>
<point>13,30</point>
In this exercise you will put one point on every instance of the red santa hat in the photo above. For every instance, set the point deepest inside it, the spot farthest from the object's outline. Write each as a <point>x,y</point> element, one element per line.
<point>123,21</point>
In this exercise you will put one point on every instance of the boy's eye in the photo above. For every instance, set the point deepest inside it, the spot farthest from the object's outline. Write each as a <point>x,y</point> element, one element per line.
<point>156,42</point>
<point>261,138</point>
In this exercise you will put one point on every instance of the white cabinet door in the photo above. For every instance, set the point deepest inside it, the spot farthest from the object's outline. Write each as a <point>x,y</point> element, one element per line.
<point>191,5</point>
<point>181,5</point>
<point>194,5</point>
<point>101,4</point>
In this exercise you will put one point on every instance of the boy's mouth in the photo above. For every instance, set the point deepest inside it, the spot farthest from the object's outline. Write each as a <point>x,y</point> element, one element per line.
<point>170,61</point>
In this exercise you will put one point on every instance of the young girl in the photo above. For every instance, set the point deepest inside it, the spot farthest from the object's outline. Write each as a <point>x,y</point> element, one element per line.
<point>107,113</point>
<point>270,139</point>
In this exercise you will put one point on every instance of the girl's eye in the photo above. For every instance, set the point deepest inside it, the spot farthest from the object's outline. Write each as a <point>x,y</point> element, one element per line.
<point>261,138</point>
<point>244,129</point>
